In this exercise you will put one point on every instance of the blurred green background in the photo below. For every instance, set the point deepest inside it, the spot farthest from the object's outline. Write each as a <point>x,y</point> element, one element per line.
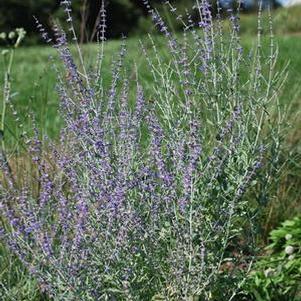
<point>128,17</point>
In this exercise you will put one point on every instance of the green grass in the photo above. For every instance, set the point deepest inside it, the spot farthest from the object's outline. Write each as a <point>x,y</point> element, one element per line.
<point>33,89</point>
<point>285,21</point>
<point>15,284</point>
<point>33,78</point>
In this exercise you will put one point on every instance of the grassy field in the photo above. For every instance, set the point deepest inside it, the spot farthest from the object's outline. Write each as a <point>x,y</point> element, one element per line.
<point>33,77</point>
<point>33,89</point>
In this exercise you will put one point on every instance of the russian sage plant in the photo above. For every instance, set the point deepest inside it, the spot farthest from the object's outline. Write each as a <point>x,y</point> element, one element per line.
<point>148,200</point>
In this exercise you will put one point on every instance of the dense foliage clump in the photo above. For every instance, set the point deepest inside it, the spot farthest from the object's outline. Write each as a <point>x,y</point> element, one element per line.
<point>277,273</point>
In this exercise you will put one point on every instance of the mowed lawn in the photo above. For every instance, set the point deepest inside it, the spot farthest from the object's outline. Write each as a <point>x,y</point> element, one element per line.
<point>34,79</point>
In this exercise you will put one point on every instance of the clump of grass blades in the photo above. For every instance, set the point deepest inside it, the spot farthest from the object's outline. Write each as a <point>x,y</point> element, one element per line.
<point>147,200</point>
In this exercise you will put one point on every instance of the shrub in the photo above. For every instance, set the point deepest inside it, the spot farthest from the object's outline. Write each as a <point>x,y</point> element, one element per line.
<point>145,198</point>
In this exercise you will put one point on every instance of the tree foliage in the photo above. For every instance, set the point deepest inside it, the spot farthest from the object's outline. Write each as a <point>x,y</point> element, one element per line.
<point>124,16</point>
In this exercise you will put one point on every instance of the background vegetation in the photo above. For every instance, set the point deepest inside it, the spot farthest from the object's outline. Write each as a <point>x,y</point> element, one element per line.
<point>127,17</point>
<point>124,16</point>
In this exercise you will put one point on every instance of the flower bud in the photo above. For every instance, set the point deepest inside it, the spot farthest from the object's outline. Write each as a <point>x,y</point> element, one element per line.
<point>268,272</point>
<point>289,250</point>
<point>11,35</point>
<point>3,35</point>
<point>288,236</point>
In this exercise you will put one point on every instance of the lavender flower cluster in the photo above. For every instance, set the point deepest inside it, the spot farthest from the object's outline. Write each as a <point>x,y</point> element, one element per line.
<point>141,200</point>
